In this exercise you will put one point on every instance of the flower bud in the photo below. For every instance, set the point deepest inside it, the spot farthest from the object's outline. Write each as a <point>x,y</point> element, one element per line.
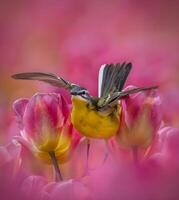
<point>44,123</point>
<point>141,118</point>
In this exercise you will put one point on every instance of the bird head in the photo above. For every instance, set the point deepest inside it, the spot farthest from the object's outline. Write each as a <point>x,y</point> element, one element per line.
<point>81,92</point>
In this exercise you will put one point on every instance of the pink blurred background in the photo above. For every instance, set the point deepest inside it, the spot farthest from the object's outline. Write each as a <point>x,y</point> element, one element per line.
<point>74,37</point>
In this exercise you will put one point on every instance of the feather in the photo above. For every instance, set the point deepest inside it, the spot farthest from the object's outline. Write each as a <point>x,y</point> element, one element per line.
<point>112,78</point>
<point>100,78</point>
<point>52,79</point>
<point>119,95</point>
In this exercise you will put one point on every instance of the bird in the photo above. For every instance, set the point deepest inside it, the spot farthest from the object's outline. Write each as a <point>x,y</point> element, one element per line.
<point>95,117</point>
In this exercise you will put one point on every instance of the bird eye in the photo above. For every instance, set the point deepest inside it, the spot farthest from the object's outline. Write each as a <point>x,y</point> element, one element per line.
<point>84,94</point>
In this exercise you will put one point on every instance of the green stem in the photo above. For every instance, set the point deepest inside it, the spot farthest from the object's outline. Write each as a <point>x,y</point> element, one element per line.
<point>58,176</point>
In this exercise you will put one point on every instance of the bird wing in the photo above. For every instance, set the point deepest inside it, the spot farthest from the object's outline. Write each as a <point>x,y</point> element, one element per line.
<point>112,78</point>
<point>113,99</point>
<point>50,78</point>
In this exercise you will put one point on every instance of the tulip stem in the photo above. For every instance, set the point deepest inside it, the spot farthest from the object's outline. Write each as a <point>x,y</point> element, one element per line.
<point>135,154</point>
<point>58,176</point>
<point>87,155</point>
<point>107,152</point>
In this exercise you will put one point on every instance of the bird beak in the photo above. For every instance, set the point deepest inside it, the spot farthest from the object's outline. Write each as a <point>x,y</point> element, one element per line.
<point>73,93</point>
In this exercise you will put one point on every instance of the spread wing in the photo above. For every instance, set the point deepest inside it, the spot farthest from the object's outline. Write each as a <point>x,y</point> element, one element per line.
<point>112,78</point>
<point>52,79</point>
<point>112,100</point>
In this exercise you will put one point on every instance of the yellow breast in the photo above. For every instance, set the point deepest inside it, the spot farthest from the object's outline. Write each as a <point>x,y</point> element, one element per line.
<point>92,123</point>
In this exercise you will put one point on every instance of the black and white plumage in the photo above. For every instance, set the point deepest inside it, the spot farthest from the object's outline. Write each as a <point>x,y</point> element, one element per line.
<point>111,80</point>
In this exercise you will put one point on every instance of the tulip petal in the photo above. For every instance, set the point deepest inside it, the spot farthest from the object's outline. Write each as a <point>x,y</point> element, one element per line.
<point>19,107</point>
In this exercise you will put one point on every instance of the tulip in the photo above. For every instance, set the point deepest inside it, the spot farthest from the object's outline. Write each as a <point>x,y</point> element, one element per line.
<point>170,146</point>
<point>141,119</point>
<point>45,127</point>
<point>10,159</point>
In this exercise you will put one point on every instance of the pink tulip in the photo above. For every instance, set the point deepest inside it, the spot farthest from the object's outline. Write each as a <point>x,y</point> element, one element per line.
<point>68,190</point>
<point>45,125</point>
<point>10,173</point>
<point>141,119</point>
<point>10,159</point>
<point>32,186</point>
<point>169,147</point>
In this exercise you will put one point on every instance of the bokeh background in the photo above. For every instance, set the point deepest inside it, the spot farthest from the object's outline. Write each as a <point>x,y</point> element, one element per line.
<point>74,37</point>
